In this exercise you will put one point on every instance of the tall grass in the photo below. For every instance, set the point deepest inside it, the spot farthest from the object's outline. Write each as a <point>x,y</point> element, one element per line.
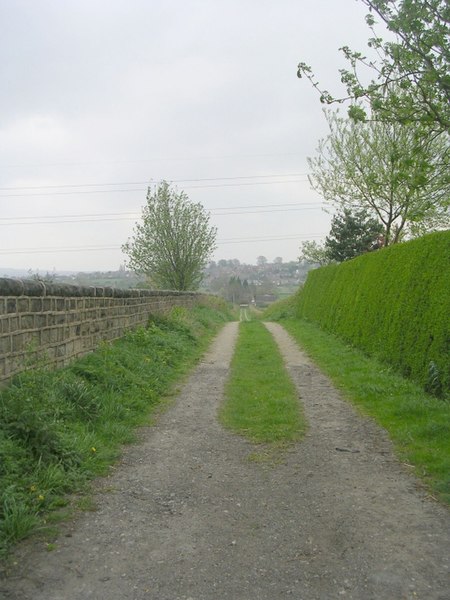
<point>58,429</point>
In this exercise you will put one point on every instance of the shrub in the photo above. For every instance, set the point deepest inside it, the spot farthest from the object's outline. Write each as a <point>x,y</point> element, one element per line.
<point>393,304</point>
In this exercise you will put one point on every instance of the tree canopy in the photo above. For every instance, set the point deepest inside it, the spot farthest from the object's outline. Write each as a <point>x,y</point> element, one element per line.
<point>390,170</point>
<point>313,252</point>
<point>352,234</point>
<point>410,74</point>
<point>172,243</point>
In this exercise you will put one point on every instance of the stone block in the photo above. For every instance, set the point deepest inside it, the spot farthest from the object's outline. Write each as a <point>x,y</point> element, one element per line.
<point>13,323</point>
<point>11,305</point>
<point>36,305</point>
<point>23,305</point>
<point>20,341</point>
<point>40,320</point>
<point>5,344</point>
<point>27,322</point>
<point>47,304</point>
<point>60,319</point>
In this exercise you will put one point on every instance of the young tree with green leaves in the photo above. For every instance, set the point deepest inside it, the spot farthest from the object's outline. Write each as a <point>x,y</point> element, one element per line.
<point>410,73</point>
<point>314,253</point>
<point>173,242</point>
<point>387,169</point>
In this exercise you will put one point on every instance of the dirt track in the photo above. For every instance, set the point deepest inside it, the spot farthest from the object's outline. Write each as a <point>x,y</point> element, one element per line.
<point>188,515</point>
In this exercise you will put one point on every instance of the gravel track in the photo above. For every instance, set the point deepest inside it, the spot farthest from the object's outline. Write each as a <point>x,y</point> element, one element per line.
<point>194,512</point>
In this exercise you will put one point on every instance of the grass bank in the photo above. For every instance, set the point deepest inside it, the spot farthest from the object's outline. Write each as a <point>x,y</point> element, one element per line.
<point>261,400</point>
<point>418,424</point>
<point>59,429</point>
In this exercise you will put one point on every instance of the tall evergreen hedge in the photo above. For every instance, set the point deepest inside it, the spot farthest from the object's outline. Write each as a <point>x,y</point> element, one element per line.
<point>393,304</point>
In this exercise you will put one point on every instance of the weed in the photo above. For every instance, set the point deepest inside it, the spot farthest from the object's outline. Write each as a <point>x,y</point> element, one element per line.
<point>50,547</point>
<point>17,520</point>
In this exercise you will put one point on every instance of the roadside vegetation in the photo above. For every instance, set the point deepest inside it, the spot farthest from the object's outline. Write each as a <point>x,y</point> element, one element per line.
<point>417,423</point>
<point>59,429</point>
<point>392,304</point>
<point>261,400</point>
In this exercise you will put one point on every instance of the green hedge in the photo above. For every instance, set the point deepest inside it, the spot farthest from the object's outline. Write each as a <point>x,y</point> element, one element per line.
<point>393,304</point>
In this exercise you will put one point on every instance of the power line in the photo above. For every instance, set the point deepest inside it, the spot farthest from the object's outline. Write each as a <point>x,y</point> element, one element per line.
<point>191,187</point>
<point>58,249</point>
<point>151,181</point>
<point>269,238</point>
<point>109,219</point>
<point>129,215</point>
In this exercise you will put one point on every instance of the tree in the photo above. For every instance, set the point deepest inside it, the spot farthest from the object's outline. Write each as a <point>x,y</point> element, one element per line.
<point>388,169</point>
<point>261,261</point>
<point>312,252</point>
<point>352,234</point>
<point>237,291</point>
<point>410,76</point>
<point>173,242</point>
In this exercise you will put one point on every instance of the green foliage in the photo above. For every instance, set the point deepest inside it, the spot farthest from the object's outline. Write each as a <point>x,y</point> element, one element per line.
<point>60,428</point>
<point>393,304</point>
<point>411,82</point>
<point>397,173</point>
<point>283,309</point>
<point>262,402</point>
<point>418,424</point>
<point>314,253</point>
<point>174,241</point>
<point>352,233</point>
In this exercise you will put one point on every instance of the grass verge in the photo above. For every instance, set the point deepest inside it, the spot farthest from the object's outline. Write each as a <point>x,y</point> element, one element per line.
<point>418,424</point>
<point>261,400</point>
<point>58,429</point>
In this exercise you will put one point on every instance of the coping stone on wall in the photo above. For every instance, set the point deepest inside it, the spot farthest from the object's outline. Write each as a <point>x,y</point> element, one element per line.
<point>20,287</point>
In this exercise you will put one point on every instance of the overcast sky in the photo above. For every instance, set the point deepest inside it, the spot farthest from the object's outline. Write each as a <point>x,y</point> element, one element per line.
<point>99,98</point>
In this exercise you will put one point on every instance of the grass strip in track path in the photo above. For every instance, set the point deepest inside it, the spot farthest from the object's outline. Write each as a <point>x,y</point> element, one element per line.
<point>261,400</point>
<point>418,424</point>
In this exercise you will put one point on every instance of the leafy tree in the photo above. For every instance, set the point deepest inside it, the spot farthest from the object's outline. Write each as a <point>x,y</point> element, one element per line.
<point>312,252</point>
<point>173,242</point>
<point>237,291</point>
<point>261,261</point>
<point>352,234</point>
<point>388,169</point>
<point>410,76</point>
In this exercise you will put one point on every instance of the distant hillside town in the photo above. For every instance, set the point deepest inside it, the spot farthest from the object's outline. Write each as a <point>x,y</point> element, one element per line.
<point>237,282</point>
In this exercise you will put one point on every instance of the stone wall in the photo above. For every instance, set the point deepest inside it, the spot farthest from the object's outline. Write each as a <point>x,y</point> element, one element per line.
<point>56,323</point>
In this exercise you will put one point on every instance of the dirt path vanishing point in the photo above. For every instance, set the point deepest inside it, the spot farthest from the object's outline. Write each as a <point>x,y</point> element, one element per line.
<point>187,515</point>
